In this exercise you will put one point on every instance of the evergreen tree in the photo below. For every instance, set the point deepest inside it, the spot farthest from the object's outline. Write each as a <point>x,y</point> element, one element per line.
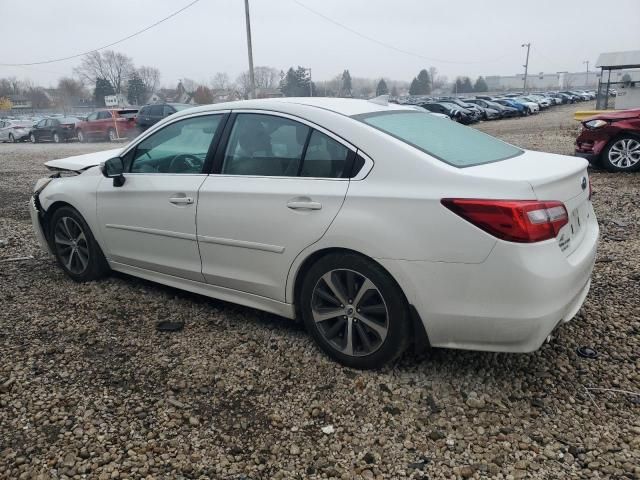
<point>466,85</point>
<point>414,88</point>
<point>345,89</point>
<point>394,91</point>
<point>103,88</point>
<point>382,89</point>
<point>136,90</point>
<point>480,85</point>
<point>424,82</point>
<point>297,83</point>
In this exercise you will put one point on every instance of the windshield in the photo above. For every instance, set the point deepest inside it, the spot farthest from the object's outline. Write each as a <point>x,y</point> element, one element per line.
<point>449,142</point>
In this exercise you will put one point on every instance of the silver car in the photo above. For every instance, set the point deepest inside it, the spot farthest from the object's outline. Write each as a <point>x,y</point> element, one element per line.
<point>14,130</point>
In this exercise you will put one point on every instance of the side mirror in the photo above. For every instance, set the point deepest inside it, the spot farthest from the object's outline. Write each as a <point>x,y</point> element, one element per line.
<point>114,168</point>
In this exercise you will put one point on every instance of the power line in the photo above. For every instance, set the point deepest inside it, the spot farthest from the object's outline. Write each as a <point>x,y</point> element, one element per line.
<point>387,45</point>
<point>104,46</point>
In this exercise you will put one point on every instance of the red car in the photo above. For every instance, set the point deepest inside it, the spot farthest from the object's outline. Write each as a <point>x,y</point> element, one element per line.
<point>611,140</point>
<point>108,125</point>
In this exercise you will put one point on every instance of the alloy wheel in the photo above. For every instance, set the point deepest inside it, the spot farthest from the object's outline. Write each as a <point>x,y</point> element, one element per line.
<point>56,138</point>
<point>625,153</point>
<point>32,137</point>
<point>350,312</point>
<point>112,136</point>
<point>80,136</point>
<point>71,244</point>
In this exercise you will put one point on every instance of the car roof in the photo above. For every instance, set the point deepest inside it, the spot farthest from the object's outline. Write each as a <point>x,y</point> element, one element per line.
<point>343,106</point>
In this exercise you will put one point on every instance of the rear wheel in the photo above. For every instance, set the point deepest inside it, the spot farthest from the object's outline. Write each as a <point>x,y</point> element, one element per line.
<point>354,311</point>
<point>74,246</point>
<point>56,137</point>
<point>111,134</point>
<point>622,154</point>
<point>81,136</point>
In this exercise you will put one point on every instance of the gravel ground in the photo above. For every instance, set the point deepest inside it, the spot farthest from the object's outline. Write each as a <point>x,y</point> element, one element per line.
<point>89,389</point>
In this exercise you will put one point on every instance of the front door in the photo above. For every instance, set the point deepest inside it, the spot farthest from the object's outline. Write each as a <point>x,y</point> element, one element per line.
<point>150,221</point>
<point>281,184</point>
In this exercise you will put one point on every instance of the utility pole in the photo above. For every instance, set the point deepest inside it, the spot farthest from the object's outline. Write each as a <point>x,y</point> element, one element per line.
<point>587,80</point>
<point>310,84</point>
<point>526,66</point>
<point>252,80</point>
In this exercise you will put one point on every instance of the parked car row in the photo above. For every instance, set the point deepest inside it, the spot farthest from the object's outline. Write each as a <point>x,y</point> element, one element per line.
<point>109,124</point>
<point>468,110</point>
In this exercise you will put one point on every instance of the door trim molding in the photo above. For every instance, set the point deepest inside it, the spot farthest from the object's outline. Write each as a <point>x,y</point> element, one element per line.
<point>265,247</point>
<point>153,231</point>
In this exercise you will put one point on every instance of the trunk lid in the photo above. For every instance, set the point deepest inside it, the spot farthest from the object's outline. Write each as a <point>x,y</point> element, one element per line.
<point>552,177</point>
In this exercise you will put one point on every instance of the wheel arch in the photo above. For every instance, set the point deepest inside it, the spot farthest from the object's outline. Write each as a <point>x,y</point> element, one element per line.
<point>419,336</point>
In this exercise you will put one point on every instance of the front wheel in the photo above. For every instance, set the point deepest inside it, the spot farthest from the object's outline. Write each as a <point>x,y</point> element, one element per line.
<point>622,155</point>
<point>355,311</point>
<point>74,246</point>
<point>12,138</point>
<point>33,138</point>
<point>111,135</point>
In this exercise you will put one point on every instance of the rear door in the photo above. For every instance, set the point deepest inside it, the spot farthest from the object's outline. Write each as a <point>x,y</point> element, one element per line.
<point>103,123</point>
<point>280,184</point>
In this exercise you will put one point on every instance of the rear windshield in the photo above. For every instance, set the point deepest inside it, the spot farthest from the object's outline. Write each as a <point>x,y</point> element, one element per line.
<point>449,142</point>
<point>127,113</point>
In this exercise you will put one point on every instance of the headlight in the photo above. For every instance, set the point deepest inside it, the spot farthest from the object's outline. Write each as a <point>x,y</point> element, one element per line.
<point>41,184</point>
<point>595,124</point>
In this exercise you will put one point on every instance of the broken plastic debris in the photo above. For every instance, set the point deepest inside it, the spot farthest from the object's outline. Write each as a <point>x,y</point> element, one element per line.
<point>328,429</point>
<point>586,352</point>
<point>169,326</point>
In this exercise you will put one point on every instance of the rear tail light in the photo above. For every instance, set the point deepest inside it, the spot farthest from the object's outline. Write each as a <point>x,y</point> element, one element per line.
<point>522,221</point>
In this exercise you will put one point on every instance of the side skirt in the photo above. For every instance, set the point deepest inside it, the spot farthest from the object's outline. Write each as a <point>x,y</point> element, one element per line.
<point>221,293</point>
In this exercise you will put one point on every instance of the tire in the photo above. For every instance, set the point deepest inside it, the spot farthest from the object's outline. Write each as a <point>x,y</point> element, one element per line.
<point>81,136</point>
<point>56,137</point>
<point>33,138</point>
<point>622,154</point>
<point>12,138</point>
<point>111,135</point>
<point>377,339</point>
<point>74,246</point>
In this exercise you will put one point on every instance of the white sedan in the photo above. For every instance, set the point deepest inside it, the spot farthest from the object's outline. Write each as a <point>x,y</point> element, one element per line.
<point>376,224</point>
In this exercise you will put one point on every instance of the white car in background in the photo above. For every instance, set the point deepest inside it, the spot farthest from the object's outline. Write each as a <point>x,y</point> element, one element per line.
<point>532,106</point>
<point>14,130</point>
<point>376,224</point>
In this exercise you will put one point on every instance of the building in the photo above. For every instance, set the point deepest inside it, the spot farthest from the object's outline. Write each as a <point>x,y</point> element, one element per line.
<point>543,81</point>
<point>620,70</point>
<point>20,102</point>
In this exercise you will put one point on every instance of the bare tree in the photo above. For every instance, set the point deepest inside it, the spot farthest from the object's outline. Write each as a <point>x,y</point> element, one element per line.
<point>220,81</point>
<point>266,77</point>
<point>112,66</point>
<point>150,76</point>
<point>243,84</point>
<point>69,90</point>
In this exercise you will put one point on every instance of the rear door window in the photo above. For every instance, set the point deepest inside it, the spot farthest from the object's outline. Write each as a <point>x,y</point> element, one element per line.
<point>155,111</point>
<point>324,157</point>
<point>265,145</point>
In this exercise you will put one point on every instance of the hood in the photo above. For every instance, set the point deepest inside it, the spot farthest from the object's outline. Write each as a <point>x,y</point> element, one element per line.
<point>617,115</point>
<point>79,163</point>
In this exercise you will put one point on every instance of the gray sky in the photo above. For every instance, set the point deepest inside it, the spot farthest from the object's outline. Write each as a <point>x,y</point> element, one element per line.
<point>483,36</point>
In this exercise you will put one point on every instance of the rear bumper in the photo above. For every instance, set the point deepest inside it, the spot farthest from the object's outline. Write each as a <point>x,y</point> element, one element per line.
<point>511,302</point>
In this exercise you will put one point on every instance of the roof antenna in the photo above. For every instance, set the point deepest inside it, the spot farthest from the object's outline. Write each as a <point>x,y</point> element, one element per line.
<point>380,100</point>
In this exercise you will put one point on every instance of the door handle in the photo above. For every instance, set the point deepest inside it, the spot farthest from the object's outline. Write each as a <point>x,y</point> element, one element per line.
<point>181,200</point>
<point>304,205</point>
